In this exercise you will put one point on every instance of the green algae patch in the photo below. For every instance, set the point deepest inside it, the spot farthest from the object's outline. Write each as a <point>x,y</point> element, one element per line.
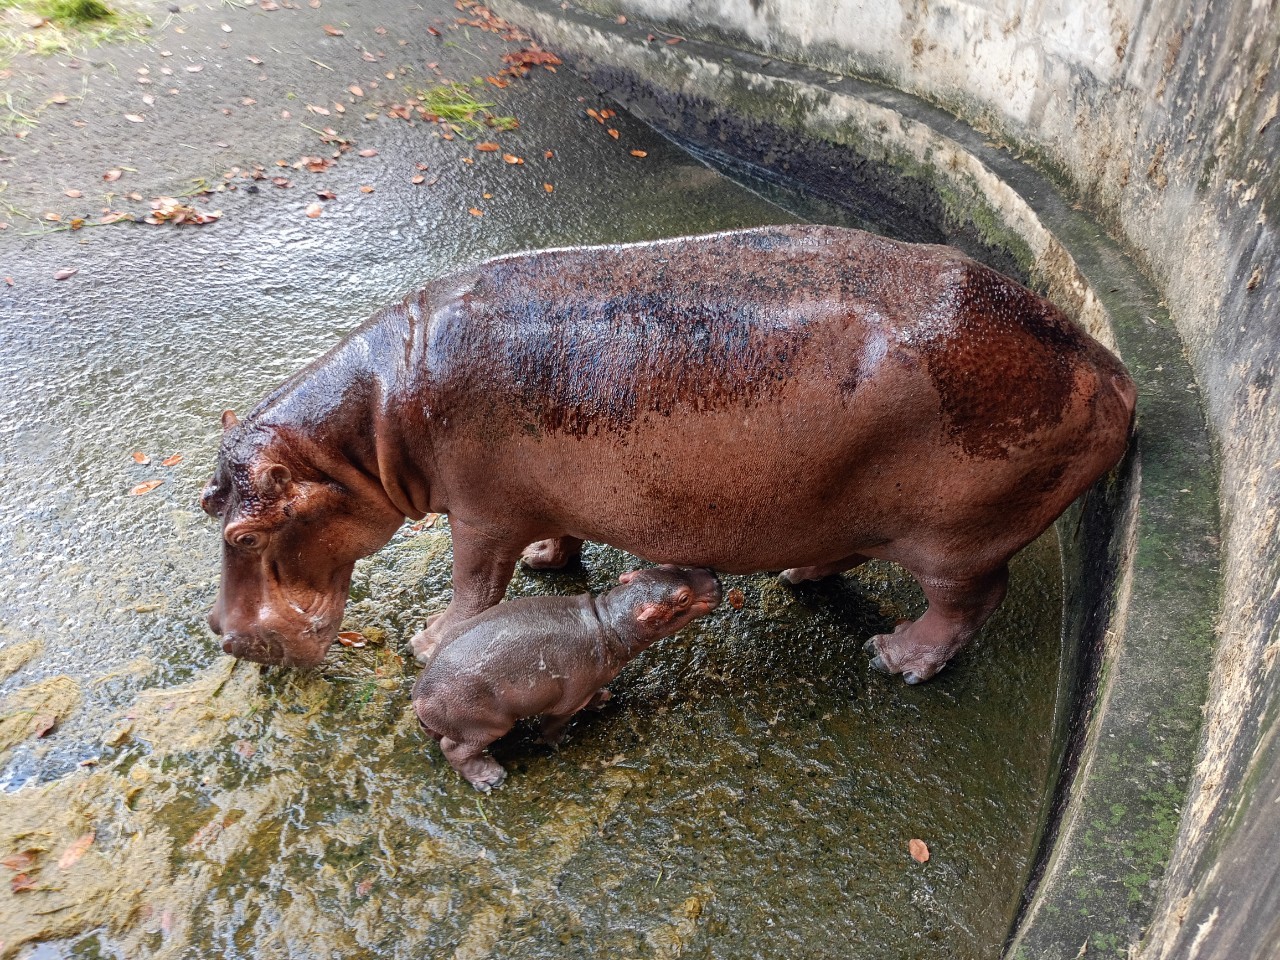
<point>35,710</point>
<point>16,654</point>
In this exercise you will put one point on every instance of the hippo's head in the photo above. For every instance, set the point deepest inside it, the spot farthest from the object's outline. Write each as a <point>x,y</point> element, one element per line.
<point>292,531</point>
<point>661,600</point>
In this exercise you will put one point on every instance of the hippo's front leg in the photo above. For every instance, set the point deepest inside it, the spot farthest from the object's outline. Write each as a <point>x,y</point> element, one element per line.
<point>482,568</point>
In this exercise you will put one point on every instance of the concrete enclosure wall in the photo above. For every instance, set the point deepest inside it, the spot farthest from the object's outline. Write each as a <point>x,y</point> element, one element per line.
<point>1160,118</point>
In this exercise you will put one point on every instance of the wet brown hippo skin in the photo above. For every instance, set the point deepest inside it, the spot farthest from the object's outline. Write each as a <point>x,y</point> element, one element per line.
<point>798,398</point>
<point>546,657</point>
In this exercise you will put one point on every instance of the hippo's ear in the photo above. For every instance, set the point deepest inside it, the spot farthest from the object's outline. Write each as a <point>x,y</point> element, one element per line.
<point>273,480</point>
<point>649,612</point>
<point>228,420</point>
<point>628,576</point>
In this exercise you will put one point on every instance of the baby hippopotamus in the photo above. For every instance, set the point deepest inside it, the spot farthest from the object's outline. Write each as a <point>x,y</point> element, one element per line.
<point>546,657</point>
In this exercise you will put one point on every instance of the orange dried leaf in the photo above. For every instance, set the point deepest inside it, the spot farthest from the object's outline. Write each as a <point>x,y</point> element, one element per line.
<point>352,638</point>
<point>112,175</point>
<point>77,850</point>
<point>356,90</point>
<point>488,146</point>
<point>144,488</point>
<point>370,152</point>
<point>73,194</point>
<point>614,133</point>
<point>140,457</point>
<point>550,188</point>
<point>134,118</point>
<point>331,30</point>
<point>366,189</point>
<point>314,210</point>
<point>511,158</point>
<point>476,212</point>
<point>20,860</point>
<point>171,461</point>
<point>419,178</point>
<point>22,882</point>
<point>919,851</point>
<point>43,724</point>
<point>640,153</point>
<point>66,273</point>
<point>736,598</point>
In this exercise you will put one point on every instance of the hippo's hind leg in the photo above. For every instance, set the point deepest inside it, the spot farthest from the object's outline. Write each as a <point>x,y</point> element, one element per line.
<point>821,570</point>
<point>469,759</point>
<point>552,554</point>
<point>957,609</point>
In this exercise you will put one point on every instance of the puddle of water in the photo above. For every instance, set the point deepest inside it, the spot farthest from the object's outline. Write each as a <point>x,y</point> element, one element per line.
<point>750,791</point>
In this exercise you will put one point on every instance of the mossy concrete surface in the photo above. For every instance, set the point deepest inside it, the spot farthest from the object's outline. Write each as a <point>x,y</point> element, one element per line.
<point>1132,760</point>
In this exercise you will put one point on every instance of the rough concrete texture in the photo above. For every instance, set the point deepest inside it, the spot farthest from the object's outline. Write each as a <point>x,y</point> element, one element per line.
<point>1158,118</point>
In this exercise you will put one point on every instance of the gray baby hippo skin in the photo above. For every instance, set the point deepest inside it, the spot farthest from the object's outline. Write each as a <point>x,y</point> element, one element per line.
<point>546,657</point>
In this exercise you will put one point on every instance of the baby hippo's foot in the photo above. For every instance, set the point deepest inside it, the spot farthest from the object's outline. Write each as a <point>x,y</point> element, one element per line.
<point>908,652</point>
<point>481,771</point>
<point>552,554</point>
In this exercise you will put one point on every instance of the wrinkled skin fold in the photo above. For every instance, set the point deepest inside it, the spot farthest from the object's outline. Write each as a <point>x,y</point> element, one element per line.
<point>789,398</point>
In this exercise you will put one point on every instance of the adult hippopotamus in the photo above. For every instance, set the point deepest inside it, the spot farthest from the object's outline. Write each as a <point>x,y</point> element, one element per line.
<point>797,398</point>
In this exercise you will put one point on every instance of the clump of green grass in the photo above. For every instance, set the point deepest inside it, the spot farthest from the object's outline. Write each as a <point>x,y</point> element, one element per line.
<point>77,12</point>
<point>454,103</point>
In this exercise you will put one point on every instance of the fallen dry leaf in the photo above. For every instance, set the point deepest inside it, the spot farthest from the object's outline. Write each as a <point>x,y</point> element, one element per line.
<point>352,638</point>
<point>488,146</point>
<point>370,152</point>
<point>314,210</point>
<point>147,487</point>
<point>73,194</point>
<point>140,457</point>
<point>549,154</point>
<point>256,61</point>
<point>43,724</point>
<point>245,748</point>
<point>512,158</point>
<point>476,212</point>
<point>66,273</point>
<point>22,882</point>
<point>171,461</point>
<point>675,40</point>
<point>55,217</point>
<point>75,851</point>
<point>282,182</point>
<point>61,99</point>
<point>21,860</point>
<point>614,133</point>
<point>736,598</point>
<point>323,111</point>
<point>170,210</point>
<point>640,153</point>
<point>419,178</point>
<point>550,188</point>
<point>326,195</point>
<point>195,68</point>
<point>919,851</point>
<point>331,30</point>
<point>356,91</point>
<point>366,189</point>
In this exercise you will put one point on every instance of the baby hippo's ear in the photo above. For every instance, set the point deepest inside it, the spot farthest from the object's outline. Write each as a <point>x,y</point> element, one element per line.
<point>628,576</point>
<point>648,612</point>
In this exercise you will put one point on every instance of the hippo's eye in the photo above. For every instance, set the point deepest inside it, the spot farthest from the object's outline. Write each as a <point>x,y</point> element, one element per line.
<point>248,541</point>
<point>683,598</point>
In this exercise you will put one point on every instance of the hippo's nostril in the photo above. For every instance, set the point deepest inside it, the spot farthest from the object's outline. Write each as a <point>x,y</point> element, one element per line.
<point>228,647</point>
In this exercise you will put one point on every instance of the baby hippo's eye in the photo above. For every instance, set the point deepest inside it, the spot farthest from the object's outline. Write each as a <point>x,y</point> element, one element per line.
<point>683,598</point>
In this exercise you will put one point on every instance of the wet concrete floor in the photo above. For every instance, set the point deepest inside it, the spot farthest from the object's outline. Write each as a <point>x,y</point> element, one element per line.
<point>752,789</point>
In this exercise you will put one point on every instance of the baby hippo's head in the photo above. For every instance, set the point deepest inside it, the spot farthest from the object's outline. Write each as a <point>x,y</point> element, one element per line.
<point>656,602</point>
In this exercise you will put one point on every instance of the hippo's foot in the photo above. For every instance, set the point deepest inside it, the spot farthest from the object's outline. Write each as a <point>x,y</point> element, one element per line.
<point>553,554</point>
<point>477,768</point>
<point>599,699</point>
<point>822,570</point>
<point>424,646</point>
<point>902,652</point>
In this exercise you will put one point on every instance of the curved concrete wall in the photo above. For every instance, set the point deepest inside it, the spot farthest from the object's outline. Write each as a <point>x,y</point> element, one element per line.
<point>1160,118</point>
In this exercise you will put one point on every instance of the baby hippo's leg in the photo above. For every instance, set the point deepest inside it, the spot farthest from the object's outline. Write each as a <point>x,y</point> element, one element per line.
<point>553,724</point>
<point>598,699</point>
<point>469,759</point>
<point>801,574</point>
